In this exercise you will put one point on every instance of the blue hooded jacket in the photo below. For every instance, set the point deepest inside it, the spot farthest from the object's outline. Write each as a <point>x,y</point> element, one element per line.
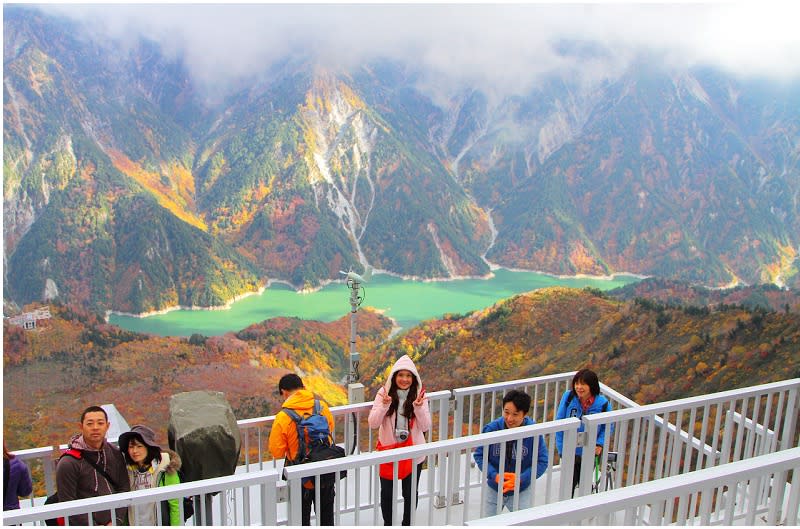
<point>511,456</point>
<point>572,408</point>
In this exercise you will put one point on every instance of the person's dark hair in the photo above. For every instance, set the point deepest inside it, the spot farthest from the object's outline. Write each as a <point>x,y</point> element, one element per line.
<point>408,407</point>
<point>290,382</point>
<point>521,400</point>
<point>153,452</point>
<point>93,409</point>
<point>6,454</point>
<point>588,377</point>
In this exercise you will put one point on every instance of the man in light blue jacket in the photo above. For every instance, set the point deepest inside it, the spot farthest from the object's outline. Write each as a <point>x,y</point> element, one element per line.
<point>516,405</point>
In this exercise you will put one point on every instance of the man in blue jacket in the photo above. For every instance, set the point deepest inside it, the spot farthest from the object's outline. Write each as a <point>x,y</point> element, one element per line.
<point>516,405</point>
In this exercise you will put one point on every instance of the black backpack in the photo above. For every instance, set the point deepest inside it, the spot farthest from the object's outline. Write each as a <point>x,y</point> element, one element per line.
<point>188,502</point>
<point>315,442</point>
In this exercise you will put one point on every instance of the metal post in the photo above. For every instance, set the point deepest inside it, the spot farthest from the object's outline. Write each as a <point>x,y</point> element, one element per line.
<point>355,390</point>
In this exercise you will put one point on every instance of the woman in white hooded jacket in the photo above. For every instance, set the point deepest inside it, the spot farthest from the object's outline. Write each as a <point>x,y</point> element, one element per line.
<point>401,414</point>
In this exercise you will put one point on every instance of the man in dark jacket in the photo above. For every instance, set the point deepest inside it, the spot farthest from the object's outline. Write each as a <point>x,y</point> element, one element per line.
<point>79,478</point>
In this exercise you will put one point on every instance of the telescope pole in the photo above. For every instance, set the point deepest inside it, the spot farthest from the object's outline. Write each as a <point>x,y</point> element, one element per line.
<point>355,301</point>
<point>355,390</point>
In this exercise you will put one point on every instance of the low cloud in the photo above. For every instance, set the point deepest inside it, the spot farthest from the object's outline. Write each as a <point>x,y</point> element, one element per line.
<point>499,48</point>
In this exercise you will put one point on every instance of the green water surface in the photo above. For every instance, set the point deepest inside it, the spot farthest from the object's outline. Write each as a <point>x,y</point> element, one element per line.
<point>407,301</point>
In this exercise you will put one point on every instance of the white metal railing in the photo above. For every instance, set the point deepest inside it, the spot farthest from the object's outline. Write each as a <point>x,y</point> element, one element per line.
<point>362,485</point>
<point>350,428</point>
<point>477,405</point>
<point>669,438</point>
<point>653,441</point>
<point>241,499</point>
<point>255,437</point>
<point>352,431</point>
<point>729,493</point>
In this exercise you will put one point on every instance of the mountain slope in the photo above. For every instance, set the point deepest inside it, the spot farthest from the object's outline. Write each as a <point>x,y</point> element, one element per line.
<point>309,170</point>
<point>646,350</point>
<point>84,144</point>
<point>662,181</point>
<point>318,184</point>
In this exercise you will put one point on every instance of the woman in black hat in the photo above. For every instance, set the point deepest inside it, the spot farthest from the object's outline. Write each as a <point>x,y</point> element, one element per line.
<point>150,466</point>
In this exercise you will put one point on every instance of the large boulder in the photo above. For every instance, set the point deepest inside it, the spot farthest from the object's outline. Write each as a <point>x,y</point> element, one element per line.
<point>203,431</point>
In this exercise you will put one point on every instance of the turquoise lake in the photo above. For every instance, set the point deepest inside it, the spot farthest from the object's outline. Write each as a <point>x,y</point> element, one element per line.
<point>407,301</point>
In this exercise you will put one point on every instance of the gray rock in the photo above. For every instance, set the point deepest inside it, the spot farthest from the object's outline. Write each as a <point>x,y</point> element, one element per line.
<point>203,431</point>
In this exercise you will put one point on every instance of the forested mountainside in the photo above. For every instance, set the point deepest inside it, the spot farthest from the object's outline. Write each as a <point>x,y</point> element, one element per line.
<point>678,293</point>
<point>124,189</point>
<point>643,348</point>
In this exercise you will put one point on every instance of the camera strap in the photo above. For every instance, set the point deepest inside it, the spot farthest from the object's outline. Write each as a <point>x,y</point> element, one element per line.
<point>410,423</point>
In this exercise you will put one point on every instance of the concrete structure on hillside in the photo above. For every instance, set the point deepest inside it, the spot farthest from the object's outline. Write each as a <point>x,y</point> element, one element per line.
<point>28,320</point>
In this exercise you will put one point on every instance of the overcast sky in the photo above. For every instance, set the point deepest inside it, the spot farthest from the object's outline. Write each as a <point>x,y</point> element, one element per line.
<point>498,47</point>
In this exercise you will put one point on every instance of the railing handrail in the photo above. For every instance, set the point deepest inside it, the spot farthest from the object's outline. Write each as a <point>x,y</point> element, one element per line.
<point>484,388</point>
<point>138,497</point>
<point>594,420</point>
<point>338,411</point>
<point>634,409</point>
<point>439,402</point>
<point>607,502</point>
<point>416,451</point>
<point>617,396</point>
<point>679,404</point>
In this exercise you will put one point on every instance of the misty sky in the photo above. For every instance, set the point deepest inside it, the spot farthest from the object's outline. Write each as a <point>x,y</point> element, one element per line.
<point>500,48</point>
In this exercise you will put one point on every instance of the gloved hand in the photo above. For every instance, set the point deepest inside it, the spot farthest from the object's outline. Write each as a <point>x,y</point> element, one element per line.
<point>508,482</point>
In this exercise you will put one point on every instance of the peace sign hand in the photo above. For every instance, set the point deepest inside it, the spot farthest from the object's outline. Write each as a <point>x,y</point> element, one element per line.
<point>420,398</point>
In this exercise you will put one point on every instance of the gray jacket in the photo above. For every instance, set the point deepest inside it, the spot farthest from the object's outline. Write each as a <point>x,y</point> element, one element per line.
<point>77,479</point>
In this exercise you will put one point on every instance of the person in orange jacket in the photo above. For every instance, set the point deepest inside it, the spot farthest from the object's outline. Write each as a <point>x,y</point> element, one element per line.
<point>283,442</point>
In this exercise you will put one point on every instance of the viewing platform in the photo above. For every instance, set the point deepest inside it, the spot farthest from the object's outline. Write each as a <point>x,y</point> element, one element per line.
<point>727,458</point>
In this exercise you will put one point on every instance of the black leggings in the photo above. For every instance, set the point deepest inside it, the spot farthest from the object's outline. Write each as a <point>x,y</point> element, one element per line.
<point>387,500</point>
<point>576,474</point>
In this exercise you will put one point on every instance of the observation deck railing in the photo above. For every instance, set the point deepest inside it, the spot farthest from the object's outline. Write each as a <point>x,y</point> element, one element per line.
<point>670,438</point>
<point>655,441</point>
<point>240,499</point>
<point>733,493</point>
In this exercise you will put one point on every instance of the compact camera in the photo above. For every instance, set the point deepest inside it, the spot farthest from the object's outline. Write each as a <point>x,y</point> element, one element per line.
<point>401,435</point>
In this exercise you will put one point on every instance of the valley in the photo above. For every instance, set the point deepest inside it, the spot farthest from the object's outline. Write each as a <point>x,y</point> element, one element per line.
<point>515,231</point>
<point>649,349</point>
<point>126,190</point>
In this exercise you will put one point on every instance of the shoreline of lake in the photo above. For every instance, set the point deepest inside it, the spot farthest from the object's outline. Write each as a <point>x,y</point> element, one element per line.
<point>406,302</point>
<point>324,283</point>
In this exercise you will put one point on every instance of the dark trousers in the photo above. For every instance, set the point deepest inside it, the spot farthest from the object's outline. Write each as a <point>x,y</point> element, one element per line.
<point>387,501</point>
<point>576,474</point>
<point>324,511</point>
